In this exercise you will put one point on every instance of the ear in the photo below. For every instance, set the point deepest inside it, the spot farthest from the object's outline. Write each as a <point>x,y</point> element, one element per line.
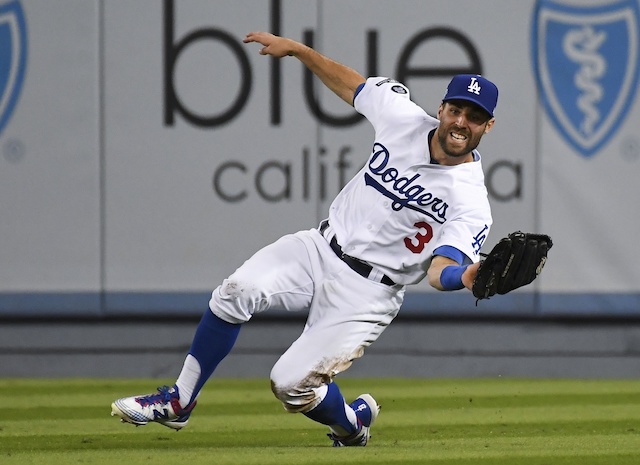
<point>489,125</point>
<point>440,109</point>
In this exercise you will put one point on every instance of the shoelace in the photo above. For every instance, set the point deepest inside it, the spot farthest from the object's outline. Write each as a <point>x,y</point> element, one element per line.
<point>162,397</point>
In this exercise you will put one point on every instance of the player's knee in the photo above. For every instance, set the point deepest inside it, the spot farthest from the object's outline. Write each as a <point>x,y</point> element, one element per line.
<point>236,300</point>
<point>296,398</point>
<point>238,290</point>
<point>299,386</point>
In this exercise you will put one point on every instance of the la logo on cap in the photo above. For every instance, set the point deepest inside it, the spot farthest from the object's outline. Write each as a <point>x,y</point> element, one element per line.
<point>474,86</point>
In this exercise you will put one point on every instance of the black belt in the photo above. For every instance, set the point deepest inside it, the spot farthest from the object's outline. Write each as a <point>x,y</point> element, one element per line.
<point>360,267</point>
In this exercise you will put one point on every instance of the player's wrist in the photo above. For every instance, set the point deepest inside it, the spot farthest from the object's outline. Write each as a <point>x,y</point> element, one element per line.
<point>298,49</point>
<point>451,277</point>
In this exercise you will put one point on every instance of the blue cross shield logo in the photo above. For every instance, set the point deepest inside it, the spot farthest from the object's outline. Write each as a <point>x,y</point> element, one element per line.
<point>586,64</point>
<point>13,56</point>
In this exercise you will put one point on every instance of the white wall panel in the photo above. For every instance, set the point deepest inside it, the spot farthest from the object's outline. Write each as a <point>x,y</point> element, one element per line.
<point>116,191</point>
<point>49,168</point>
<point>167,227</point>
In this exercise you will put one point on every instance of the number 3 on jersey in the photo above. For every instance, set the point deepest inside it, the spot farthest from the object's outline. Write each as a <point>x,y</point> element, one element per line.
<point>424,235</point>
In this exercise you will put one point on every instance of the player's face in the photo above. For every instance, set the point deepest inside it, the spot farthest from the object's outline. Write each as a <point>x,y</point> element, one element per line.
<point>462,125</point>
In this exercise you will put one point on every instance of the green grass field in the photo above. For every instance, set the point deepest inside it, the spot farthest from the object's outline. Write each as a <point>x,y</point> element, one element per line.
<point>462,422</point>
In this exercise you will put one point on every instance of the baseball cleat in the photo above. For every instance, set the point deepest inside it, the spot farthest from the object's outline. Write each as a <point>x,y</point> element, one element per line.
<point>161,407</point>
<point>367,411</point>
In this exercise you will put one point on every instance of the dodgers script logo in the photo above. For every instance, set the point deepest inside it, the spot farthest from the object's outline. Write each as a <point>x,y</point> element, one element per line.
<point>586,64</point>
<point>402,191</point>
<point>13,56</point>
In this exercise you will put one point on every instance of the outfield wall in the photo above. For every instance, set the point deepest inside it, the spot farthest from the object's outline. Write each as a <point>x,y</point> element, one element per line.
<point>439,349</point>
<point>145,152</point>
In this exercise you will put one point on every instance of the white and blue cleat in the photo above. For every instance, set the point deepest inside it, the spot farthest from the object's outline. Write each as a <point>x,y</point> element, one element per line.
<point>162,407</point>
<point>367,411</point>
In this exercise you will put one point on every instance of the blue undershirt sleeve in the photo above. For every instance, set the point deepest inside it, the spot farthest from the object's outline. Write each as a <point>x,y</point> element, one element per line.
<point>454,254</point>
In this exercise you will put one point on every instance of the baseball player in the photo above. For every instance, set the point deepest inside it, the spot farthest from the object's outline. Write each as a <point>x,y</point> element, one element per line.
<point>418,208</point>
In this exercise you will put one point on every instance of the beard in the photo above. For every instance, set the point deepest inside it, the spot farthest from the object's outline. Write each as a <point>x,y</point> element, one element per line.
<point>456,152</point>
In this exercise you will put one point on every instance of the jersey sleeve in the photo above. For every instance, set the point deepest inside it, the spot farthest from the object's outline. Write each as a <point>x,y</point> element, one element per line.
<point>385,101</point>
<point>465,236</point>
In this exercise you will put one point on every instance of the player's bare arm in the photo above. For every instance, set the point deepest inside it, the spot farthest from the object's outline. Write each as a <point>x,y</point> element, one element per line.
<point>340,79</point>
<point>439,263</point>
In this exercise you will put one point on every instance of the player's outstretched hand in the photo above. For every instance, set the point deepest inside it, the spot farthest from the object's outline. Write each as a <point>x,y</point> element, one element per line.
<point>469,275</point>
<point>273,45</point>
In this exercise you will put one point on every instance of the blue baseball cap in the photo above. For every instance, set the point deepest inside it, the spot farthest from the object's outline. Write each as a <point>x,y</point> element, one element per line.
<point>473,88</point>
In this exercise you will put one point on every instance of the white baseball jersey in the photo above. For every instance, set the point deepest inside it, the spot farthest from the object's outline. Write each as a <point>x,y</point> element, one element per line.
<point>400,207</point>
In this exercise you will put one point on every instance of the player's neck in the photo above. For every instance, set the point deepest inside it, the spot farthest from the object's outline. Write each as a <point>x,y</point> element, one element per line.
<point>447,160</point>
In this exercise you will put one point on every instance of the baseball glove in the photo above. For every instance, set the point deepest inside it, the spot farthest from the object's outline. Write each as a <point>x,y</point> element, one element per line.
<point>514,262</point>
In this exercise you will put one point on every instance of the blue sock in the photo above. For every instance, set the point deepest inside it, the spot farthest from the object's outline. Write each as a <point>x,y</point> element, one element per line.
<point>331,411</point>
<point>212,342</point>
